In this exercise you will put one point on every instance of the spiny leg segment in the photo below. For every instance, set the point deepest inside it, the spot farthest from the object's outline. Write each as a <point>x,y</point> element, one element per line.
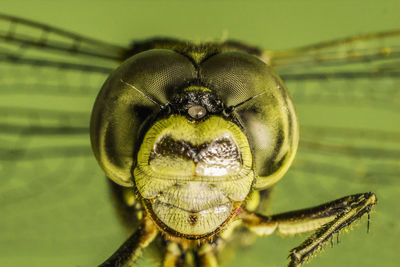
<point>327,219</point>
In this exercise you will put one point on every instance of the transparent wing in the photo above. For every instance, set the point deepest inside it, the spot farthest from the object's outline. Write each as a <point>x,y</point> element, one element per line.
<point>354,49</point>
<point>368,60</point>
<point>26,34</point>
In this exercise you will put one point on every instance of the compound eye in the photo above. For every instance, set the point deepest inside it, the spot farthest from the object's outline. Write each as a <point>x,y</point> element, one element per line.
<point>197,112</point>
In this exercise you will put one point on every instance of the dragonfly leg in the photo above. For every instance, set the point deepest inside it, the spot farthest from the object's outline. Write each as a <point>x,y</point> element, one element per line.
<point>326,220</point>
<point>128,253</point>
<point>206,256</point>
<point>172,256</point>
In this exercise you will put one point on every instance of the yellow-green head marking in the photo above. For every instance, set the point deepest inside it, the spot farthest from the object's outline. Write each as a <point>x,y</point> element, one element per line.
<point>192,173</point>
<point>194,135</point>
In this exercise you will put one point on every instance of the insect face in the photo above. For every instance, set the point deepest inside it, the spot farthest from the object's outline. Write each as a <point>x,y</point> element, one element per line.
<point>193,133</point>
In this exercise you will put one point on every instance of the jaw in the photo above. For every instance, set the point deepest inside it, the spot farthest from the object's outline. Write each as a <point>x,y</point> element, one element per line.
<point>192,208</point>
<point>175,221</point>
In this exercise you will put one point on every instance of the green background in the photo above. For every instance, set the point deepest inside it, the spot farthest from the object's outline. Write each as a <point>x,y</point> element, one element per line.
<point>57,212</point>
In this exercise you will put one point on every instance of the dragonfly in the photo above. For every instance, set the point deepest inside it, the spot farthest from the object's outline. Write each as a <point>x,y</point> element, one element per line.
<point>50,78</point>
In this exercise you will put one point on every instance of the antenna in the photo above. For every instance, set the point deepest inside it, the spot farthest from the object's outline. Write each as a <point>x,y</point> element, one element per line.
<point>232,108</point>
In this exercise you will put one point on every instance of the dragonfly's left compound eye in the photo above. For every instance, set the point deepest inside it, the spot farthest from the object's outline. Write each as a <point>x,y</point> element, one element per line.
<point>131,97</point>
